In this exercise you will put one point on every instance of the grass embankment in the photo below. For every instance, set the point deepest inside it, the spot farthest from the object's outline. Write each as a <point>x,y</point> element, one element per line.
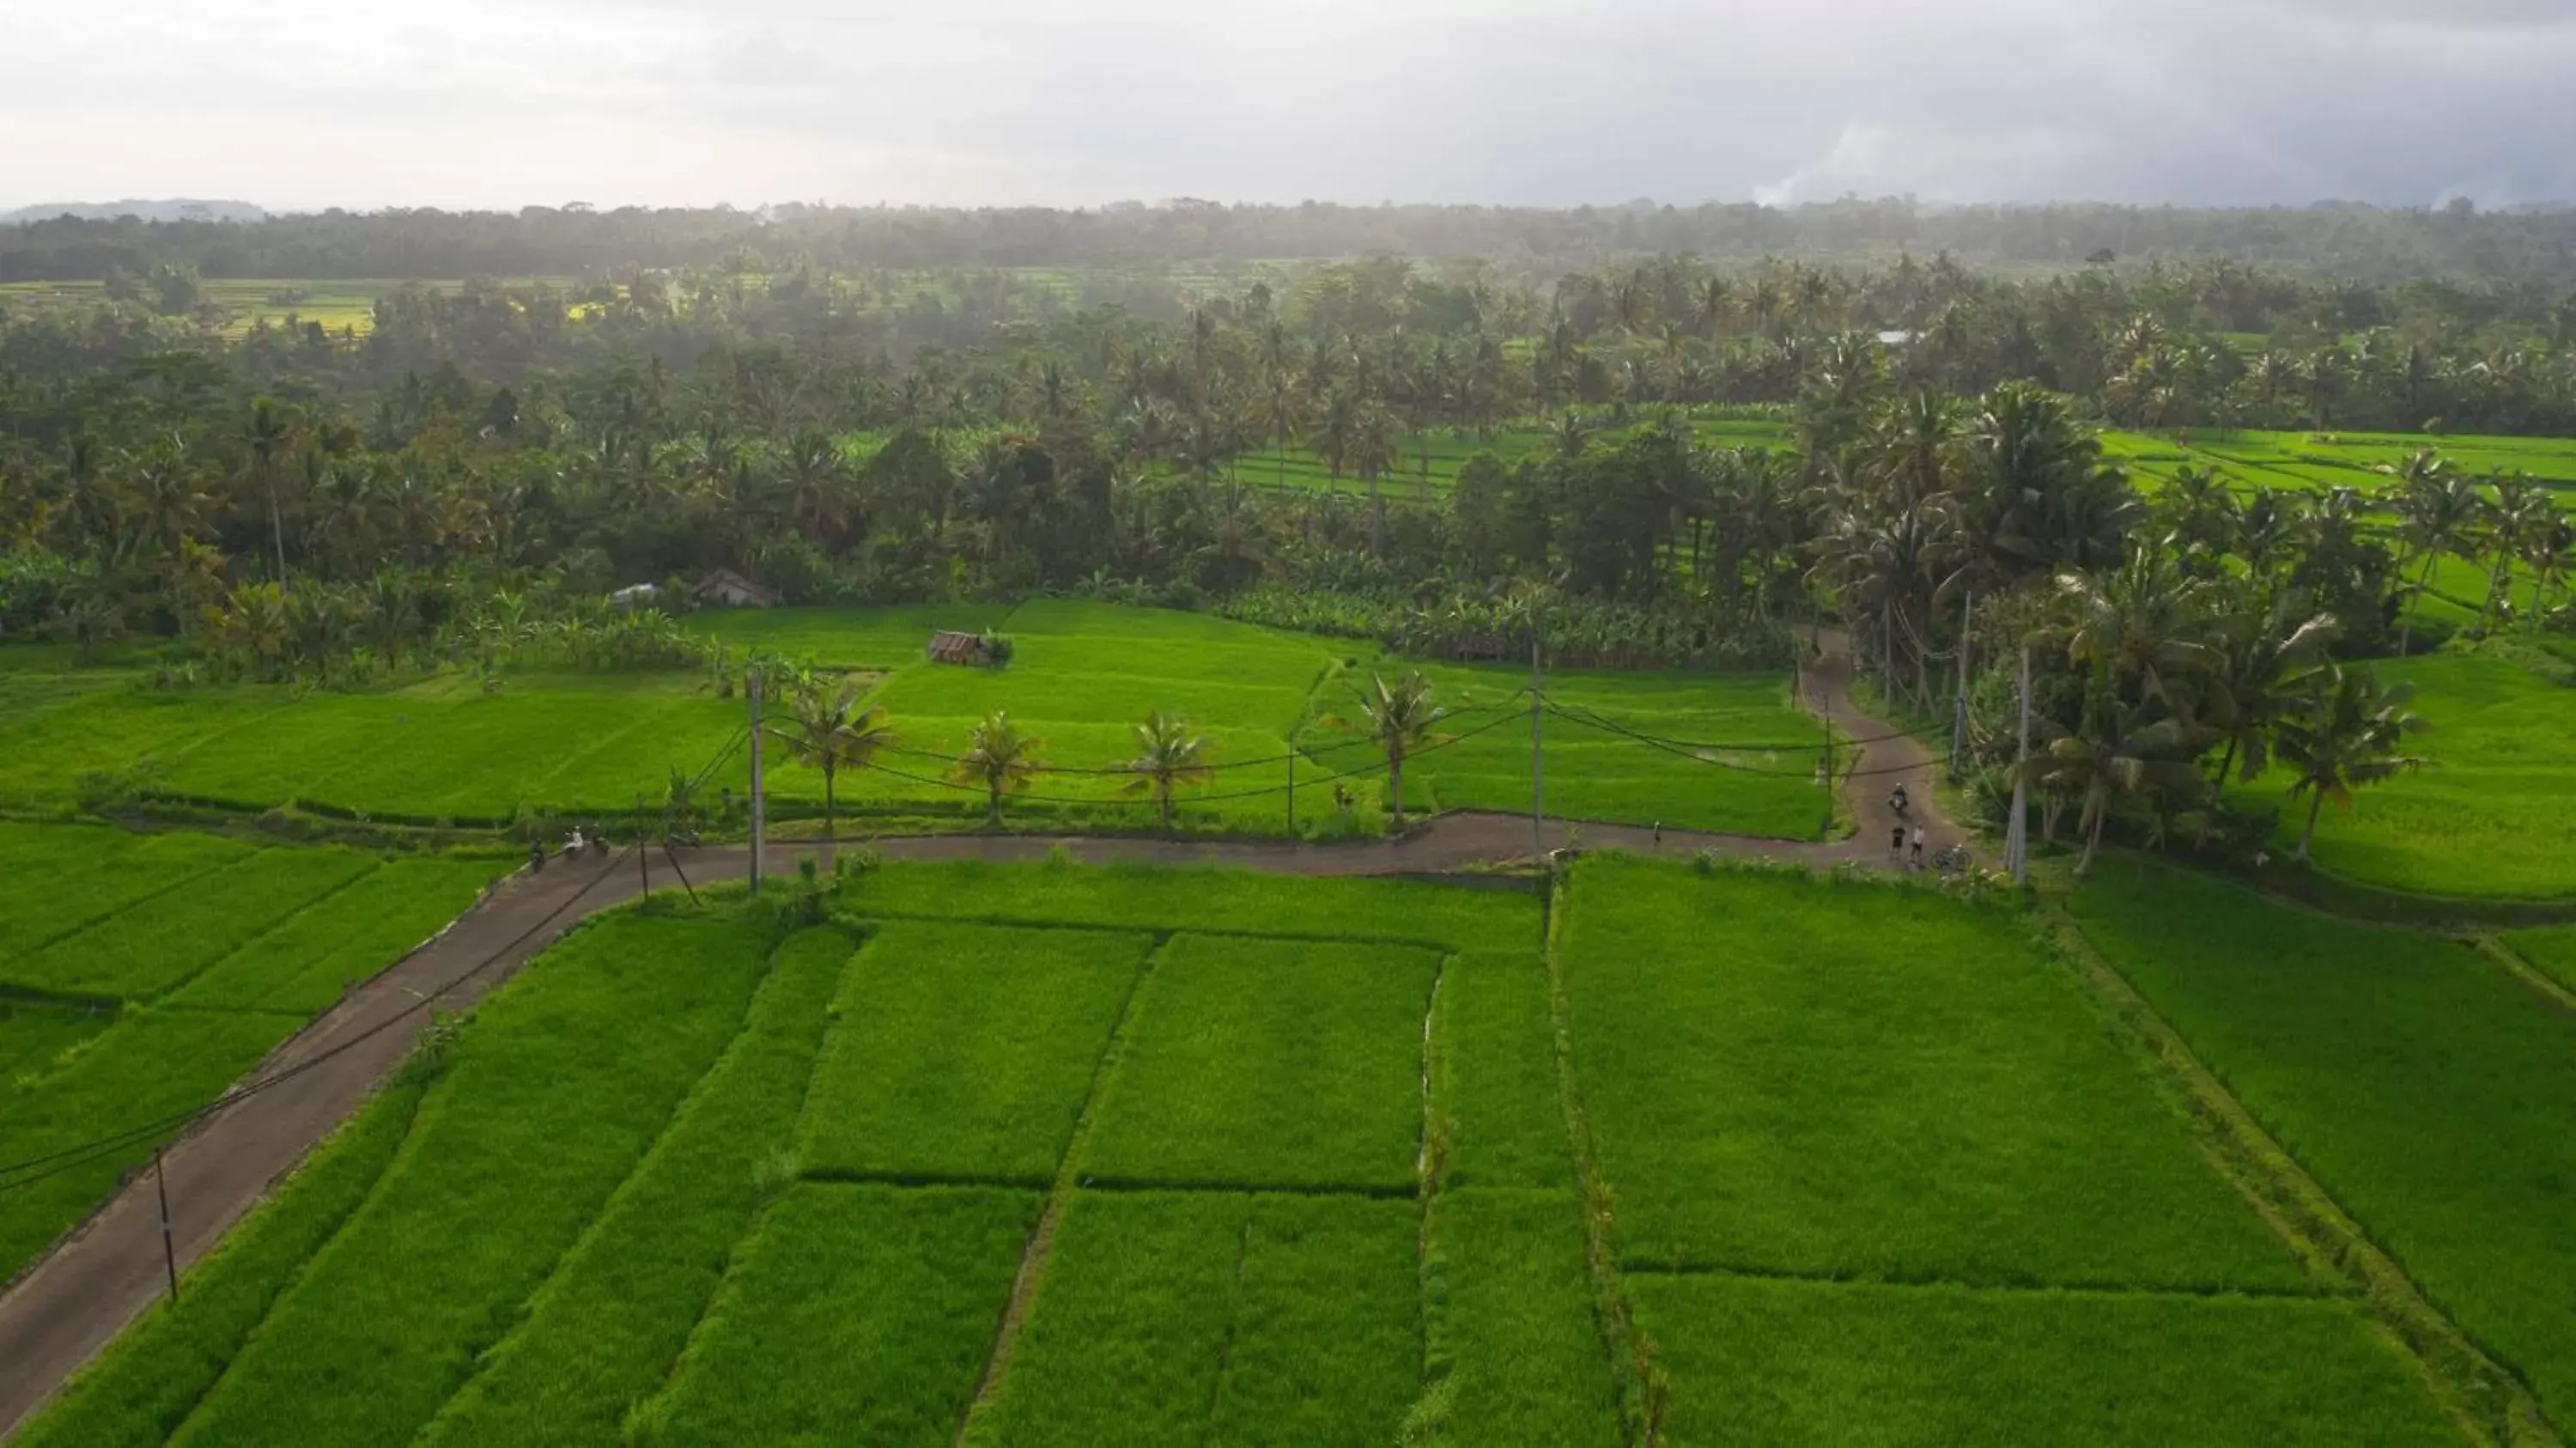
<point>1876,1165</point>
<point>2424,1085</point>
<point>2552,951</point>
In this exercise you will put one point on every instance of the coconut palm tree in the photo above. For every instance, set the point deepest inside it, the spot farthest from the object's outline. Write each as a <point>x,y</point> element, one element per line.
<point>1889,569</point>
<point>2201,508</point>
<point>2037,496</point>
<point>2344,733</point>
<point>2521,508</point>
<point>2113,757</point>
<point>2262,650</point>
<point>2142,626</point>
<point>2438,508</point>
<point>2548,549</point>
<point>265,431</point>
<point>1167,755</point>
<point>1405,719</point>
<point>999,757</point>
<point>1913,448</point>
<point>1376,450</point>
<point>827,729</point>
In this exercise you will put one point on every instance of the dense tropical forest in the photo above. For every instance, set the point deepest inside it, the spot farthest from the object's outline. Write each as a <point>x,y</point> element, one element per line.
<point>2212,489</point>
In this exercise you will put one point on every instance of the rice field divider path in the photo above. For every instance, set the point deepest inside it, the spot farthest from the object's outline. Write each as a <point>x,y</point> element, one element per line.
<point>63,1310</point>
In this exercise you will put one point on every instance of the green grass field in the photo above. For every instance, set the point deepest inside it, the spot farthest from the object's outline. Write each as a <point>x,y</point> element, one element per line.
<point>1881,1176</point>
<point>1427,463</point>
<point>338,305</point>
<point>1276,1161</point>
<point>801,1172</point>
<point>146,973</point>
<point>2322,460</point>
<point>444,751</point>
<point>2486,815</point>
<point>2425,1086</point>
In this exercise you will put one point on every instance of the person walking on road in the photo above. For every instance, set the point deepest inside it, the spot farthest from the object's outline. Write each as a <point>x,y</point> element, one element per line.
<point>1896,842</point>
<point>1918,847</point>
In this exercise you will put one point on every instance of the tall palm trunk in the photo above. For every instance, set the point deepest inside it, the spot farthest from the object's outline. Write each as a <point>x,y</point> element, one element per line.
<point>1395,790</point>
<point>276,526</point>
<point>2423,585</point>
<point>2308,836</point>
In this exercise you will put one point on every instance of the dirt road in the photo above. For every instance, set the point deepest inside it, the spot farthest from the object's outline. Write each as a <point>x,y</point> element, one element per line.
<point>53,1319</point>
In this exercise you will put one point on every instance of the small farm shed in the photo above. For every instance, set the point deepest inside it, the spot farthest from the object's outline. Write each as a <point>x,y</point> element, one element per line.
<point>641,595</point>
<point>725,588</point>
<point>948,646</point>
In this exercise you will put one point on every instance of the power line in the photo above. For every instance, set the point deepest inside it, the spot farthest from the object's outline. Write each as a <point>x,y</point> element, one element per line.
<point>21,1174</point>
<point>56,1162</point>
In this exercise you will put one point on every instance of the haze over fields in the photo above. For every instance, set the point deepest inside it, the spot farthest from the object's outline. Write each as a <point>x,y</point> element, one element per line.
<point>298,104</point>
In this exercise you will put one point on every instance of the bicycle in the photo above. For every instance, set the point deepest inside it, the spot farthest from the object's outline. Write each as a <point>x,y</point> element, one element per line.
<point>1952,859</point>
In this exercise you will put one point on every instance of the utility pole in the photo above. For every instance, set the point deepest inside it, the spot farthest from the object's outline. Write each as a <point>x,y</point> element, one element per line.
<point>169,1250</point>
<point>1959,715</point>
<point>643,856</point>
<point>1825,776</point>
<point>1538,758</point>
<point>2017,832</point>
<point>759,812</point>
<point>1292,779</point>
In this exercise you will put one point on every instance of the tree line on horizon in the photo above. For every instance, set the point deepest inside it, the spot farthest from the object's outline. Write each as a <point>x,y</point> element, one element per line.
<point>291,504</point>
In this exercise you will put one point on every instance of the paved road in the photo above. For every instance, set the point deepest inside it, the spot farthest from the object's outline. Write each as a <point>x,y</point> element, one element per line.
<point>54,1318</point>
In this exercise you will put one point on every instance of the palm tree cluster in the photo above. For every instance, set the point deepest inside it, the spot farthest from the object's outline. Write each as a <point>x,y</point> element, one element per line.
<point>825,724</point>
<point>2169,687</point>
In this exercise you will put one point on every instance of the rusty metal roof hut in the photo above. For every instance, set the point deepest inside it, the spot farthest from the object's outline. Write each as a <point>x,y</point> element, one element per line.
<point>949,646</point>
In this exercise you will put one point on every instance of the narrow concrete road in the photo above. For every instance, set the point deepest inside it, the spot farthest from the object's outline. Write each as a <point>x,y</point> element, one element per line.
<point>1887,759</point>
<point>63,1310</point>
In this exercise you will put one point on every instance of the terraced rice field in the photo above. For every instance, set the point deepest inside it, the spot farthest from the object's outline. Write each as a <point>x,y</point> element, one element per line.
<point>1879,1176</point>
<point>812,1164</point>
<point>1056,1155</point>
<point>339,305</point>
<point>142,974</point>
<point>443,750</point>
<point>2316,461</point>
<point>2419,1080</point>
<point>2486,816</point>
<point>1428,462</point>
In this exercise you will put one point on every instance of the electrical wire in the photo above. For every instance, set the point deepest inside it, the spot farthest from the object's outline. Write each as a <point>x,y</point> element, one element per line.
<point>18,1175</point>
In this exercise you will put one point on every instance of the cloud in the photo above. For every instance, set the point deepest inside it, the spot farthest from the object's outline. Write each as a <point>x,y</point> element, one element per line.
<point>306,103</point>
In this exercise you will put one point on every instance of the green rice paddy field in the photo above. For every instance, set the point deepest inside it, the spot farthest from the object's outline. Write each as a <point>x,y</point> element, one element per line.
<point>1428,462</point>
<point>339,305</point>
<point>2316,461</point>
<point>1059,1155</point>
<point>443,749</point>
<point>2486,815</point>
<point>2425,1086</point>
<point>140,975</point>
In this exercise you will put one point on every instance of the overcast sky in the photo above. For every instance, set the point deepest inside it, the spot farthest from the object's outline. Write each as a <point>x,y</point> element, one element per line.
<point>300,104</point>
